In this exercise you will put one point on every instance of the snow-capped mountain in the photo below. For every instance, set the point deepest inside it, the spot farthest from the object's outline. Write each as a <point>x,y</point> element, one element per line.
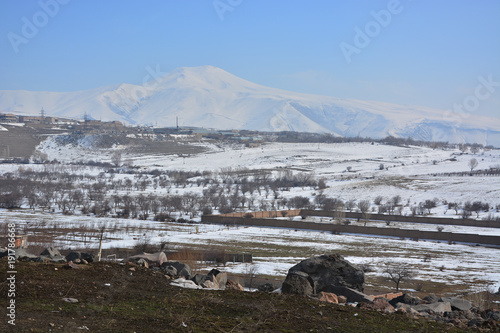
<point>210,97</point>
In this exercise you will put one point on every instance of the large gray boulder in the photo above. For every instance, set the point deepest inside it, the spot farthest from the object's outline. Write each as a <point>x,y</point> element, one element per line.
<point>325,272</point>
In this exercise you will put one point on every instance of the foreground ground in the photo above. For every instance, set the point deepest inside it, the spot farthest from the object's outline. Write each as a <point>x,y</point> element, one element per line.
<point>113,298</point>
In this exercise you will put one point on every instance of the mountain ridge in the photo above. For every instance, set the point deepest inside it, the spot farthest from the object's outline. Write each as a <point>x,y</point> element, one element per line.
<point>207,96</point>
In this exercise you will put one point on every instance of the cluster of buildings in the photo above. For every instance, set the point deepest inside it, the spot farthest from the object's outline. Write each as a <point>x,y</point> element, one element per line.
<point>7,118</point>
<point>12,118</point>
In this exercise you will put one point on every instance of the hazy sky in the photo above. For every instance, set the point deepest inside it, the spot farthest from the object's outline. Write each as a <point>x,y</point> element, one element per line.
<point>423,52</point>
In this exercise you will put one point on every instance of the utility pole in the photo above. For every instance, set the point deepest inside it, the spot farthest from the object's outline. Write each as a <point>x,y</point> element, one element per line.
<point>100,244</point>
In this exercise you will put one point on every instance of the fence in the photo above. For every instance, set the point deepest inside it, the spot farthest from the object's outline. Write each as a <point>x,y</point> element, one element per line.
<point>338,228</point>
<point>410,219</point>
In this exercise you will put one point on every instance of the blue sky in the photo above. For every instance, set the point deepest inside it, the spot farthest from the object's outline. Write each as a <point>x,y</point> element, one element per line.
<point>430,53</point>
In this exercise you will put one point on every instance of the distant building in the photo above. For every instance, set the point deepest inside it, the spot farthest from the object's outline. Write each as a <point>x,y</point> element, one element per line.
<point>30,119</point>
<point>8,118</point>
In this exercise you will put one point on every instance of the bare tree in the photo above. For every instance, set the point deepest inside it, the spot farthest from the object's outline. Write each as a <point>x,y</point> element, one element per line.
<point>116,159</point>
<point>364,207</point>
<point>473,164</point>
<point>398,273</point>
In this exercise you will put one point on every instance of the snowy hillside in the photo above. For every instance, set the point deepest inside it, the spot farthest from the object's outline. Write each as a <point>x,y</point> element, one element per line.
<point>210,97</point>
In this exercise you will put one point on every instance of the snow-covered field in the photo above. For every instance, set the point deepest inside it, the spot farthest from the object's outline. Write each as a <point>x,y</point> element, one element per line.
<point>407,171</point>
<point>275,250</point>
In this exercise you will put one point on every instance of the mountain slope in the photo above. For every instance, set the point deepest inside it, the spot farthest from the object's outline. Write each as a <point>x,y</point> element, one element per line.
<point>210,97</point>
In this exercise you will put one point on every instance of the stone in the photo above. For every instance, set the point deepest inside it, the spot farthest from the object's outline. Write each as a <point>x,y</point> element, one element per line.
<point>218,278</point>
<point>72,265</point>
<point>342,299</point>
<point>197,278</point>
<point>183,270</point>
<point>51,252</point>
<point>299,283</point>
<point>406,299</point>
<point>457,303</point>
<point>170,271</point>
<point>381,304</point>
<point>331,270</point>
<point>266,288</point>
<point>183,283</point>
<point>157,258</point>
<point>232,285</point>
<point>23,255</point>
<point>82,256</point>
<point>352,295</point>
<point>388,296</point>
<point>431,298</point>
<point>328,297</point>
<point>143,263</point>
<point>209,284</point>
<point>70,300</point>
<point>439,307</point>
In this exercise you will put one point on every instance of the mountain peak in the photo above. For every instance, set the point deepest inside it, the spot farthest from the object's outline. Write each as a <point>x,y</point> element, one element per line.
<point>205,77</point>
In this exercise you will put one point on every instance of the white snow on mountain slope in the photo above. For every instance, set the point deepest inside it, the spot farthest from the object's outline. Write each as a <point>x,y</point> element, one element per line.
<point>210,97</point>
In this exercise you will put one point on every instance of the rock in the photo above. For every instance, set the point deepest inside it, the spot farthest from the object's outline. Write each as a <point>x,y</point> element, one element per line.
<point>381,304</point>
<point>218,278</point>
<point>70,300</point>
<point>328,297</point>
<point>51,252</point>
<point>70,264</point>
<point>232,285</point>
<point>402,306</point>
<point>431,298</point>
<point>143,263</point>
<point>388,296</point>
<point>58,260</point>
<point>55,259</point>
<point>331,270</point>
<point>23,255</point>
<point>170,271</point>
<point>197,278</point>
<point>74,255</point>
<point>351,294</point>
<point>439,307</point>
<point>266,288</point>
<point>493,314</point>
<point>157,258</point>
<point>183,270</point>
<point>474,323</point>
<point>342,299</point>
<point>406,299</point>
<point>299,283</point>
<point>457,303</point>
<point>4,252</point>
<point>209,284</point>
<point>181,282</point>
